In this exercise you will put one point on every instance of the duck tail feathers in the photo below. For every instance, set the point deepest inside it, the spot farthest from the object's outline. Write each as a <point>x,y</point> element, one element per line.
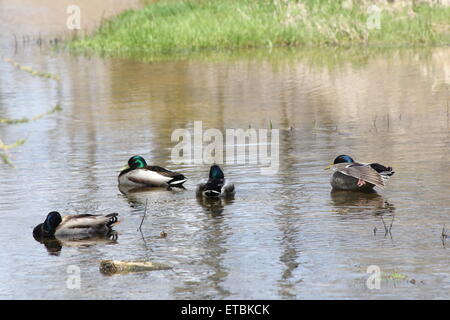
<point>113,220</point>
<point>213,188</point>
<point>211,193</point>
<point>177,181</point>
<point>385,172</point>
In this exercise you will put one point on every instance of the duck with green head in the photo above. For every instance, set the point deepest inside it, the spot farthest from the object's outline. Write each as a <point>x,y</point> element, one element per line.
<point>75,225</point>
<point>216,186</point>
<point>355,176</point>
<point>138,174</point>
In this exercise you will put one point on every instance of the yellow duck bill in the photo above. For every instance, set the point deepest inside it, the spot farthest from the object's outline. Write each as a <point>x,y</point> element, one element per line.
<point>124,168</point>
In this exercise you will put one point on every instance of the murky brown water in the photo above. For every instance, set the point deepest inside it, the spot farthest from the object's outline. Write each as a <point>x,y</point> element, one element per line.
<point>284,236</point>
<point>27,19</point>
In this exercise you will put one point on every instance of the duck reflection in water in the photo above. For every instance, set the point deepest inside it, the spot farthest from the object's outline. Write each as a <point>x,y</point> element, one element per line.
<point>54,245</point>
<point>138,197</point>
<point>130,190</point>
<point>360,202</point>
<point>214,206</point>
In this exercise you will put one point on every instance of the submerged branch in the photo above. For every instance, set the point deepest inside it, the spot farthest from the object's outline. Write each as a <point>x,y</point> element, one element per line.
<point>6,147</point>
<point>25,120</point>
<point>4,155</point>
<point>30,70</point>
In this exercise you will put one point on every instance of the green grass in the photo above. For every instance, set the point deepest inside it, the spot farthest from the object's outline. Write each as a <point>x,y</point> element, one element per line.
<point>181,27</point>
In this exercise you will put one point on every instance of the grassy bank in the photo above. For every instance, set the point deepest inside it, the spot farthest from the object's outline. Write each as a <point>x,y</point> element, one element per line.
<point>178,27</point>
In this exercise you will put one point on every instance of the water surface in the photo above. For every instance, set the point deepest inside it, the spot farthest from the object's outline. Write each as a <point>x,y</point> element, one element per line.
<point>284,236</point>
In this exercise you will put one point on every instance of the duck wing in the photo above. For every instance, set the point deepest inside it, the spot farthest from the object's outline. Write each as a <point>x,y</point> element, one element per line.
<point>229,188</point>
<point>361,171</point>
<point>81,221</point>
<point>154,176</point>
<point>175,178</point>
<point>200,188</point>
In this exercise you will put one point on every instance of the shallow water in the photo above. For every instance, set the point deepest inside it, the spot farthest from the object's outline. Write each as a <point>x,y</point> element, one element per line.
<point>284,236</point>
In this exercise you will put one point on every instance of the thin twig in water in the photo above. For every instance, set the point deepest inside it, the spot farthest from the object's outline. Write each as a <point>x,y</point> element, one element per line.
<point>145,242</point>
<point>143,217</point>
<point>388,122</point>
<point>384,224</point>
<point>375,123</point>
<point>15,43</point>
<point>390,227</point>
<point>140,227</point>
<point>386,229</point>
<point>447,108</point>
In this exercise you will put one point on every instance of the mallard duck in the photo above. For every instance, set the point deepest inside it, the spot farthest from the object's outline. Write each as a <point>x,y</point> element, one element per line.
<point>138,174</point>
<point>216,186</point>
<point>75,225</point>
<point>351,175</point>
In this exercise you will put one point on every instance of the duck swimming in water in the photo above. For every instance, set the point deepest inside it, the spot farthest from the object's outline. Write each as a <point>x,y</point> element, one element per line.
<point>354,176</point>
<point>216,186</point>
<point>138,174</point>
<point>75,225</point>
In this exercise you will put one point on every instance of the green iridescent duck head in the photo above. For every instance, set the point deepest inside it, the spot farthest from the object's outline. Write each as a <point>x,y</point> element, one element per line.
<point>135,162</point>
